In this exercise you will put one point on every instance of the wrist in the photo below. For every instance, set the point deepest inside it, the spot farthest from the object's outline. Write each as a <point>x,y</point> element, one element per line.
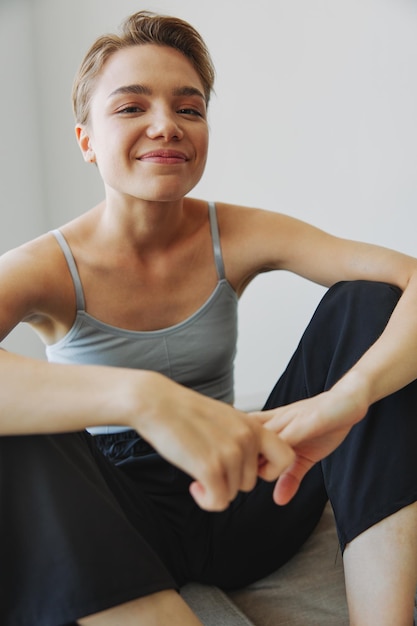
<point>143,400</point>
<point>129,397</point>
<point>354,389</point>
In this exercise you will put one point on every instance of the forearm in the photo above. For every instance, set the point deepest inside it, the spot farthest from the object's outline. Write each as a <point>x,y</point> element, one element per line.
<point>211,441</point>
<point>391,362</point>
<point>40,397</point>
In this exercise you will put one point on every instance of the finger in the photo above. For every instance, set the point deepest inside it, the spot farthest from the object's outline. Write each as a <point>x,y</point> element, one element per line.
<point>249,474</point>
<point>289,482</point>
<point>274,420</point>
<point>249,442</point>
<point>277,456</point>
<point>259,416</point>
<point>239,464</point>
<point>285,488</point>
<point>207,498</point>
<point>217,482</point>
<point>263,417</point>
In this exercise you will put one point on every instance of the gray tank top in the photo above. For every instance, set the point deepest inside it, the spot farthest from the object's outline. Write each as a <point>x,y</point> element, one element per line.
<point>198,352</point>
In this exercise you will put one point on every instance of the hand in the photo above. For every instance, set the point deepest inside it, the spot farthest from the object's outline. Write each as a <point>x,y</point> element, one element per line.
<point>223,449</point>
<point>314,428</point>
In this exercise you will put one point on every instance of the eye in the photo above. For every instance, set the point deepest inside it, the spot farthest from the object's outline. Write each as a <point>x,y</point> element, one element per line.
<point>129,109</point>
<point>190,111</point>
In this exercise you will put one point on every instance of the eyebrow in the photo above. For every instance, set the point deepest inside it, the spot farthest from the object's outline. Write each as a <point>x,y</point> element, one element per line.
<point>143,90</point>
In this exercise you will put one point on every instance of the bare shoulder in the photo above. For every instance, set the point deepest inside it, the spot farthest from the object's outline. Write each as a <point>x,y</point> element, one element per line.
<point>35,258</point>
<point>256,240</point>
<point>34,279</point>
<point>256,220</point>
<point>253,223</point>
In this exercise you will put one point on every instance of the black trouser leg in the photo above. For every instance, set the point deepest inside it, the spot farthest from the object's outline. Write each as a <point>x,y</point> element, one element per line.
<point>66,547</point>
<point>374,471</point>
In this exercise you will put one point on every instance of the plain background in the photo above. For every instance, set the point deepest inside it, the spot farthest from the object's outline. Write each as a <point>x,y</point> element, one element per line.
<point>315,115</point>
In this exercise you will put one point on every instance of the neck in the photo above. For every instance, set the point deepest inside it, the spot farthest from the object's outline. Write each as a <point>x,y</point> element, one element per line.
<point>150,225</point>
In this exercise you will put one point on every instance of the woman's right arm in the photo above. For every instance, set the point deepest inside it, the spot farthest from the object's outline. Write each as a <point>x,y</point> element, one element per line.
<point>219,446</point>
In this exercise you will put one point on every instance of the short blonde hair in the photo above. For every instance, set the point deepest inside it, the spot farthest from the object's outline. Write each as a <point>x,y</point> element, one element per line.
<point>141,28</point>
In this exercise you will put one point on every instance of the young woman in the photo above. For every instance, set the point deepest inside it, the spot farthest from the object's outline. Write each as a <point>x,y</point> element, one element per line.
<point>125,469</point>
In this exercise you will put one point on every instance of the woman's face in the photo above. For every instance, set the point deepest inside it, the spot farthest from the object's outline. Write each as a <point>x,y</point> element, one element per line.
<point>147,128</point>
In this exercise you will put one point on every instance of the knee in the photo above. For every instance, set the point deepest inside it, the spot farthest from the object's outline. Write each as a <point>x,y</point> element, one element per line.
<point>369,302</point>
<point>42,453</point>
<point>366,291</point>
<point>349,319</point>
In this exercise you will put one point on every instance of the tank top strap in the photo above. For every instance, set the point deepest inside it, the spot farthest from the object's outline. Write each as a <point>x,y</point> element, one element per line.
<point>79,294</point>
<point>215,237</point>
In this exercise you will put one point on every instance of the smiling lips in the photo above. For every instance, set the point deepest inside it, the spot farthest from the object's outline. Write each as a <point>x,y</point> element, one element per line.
<point>164,157</point>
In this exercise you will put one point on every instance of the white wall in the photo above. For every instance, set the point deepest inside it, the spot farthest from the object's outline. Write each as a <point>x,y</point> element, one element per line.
<point>314,115</point>
<point>21,174</point>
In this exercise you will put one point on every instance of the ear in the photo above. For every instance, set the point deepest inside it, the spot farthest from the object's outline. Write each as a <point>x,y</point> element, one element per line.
<point>84,142</point>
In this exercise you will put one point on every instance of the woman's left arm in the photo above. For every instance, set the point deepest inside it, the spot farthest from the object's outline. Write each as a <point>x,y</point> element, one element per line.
<point>316,426</point>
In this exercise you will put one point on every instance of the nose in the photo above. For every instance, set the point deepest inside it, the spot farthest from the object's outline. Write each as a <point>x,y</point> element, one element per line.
<point>165,125</point>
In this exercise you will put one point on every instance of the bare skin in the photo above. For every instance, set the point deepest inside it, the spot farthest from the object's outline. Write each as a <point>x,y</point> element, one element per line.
<point>381,571</point>
<point>165,607</point>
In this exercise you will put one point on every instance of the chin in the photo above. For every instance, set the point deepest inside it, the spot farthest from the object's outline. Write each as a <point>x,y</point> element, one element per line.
<point>171,194</point>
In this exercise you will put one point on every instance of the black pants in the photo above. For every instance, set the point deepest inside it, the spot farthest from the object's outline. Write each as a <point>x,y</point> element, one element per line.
<point>87,523</point>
